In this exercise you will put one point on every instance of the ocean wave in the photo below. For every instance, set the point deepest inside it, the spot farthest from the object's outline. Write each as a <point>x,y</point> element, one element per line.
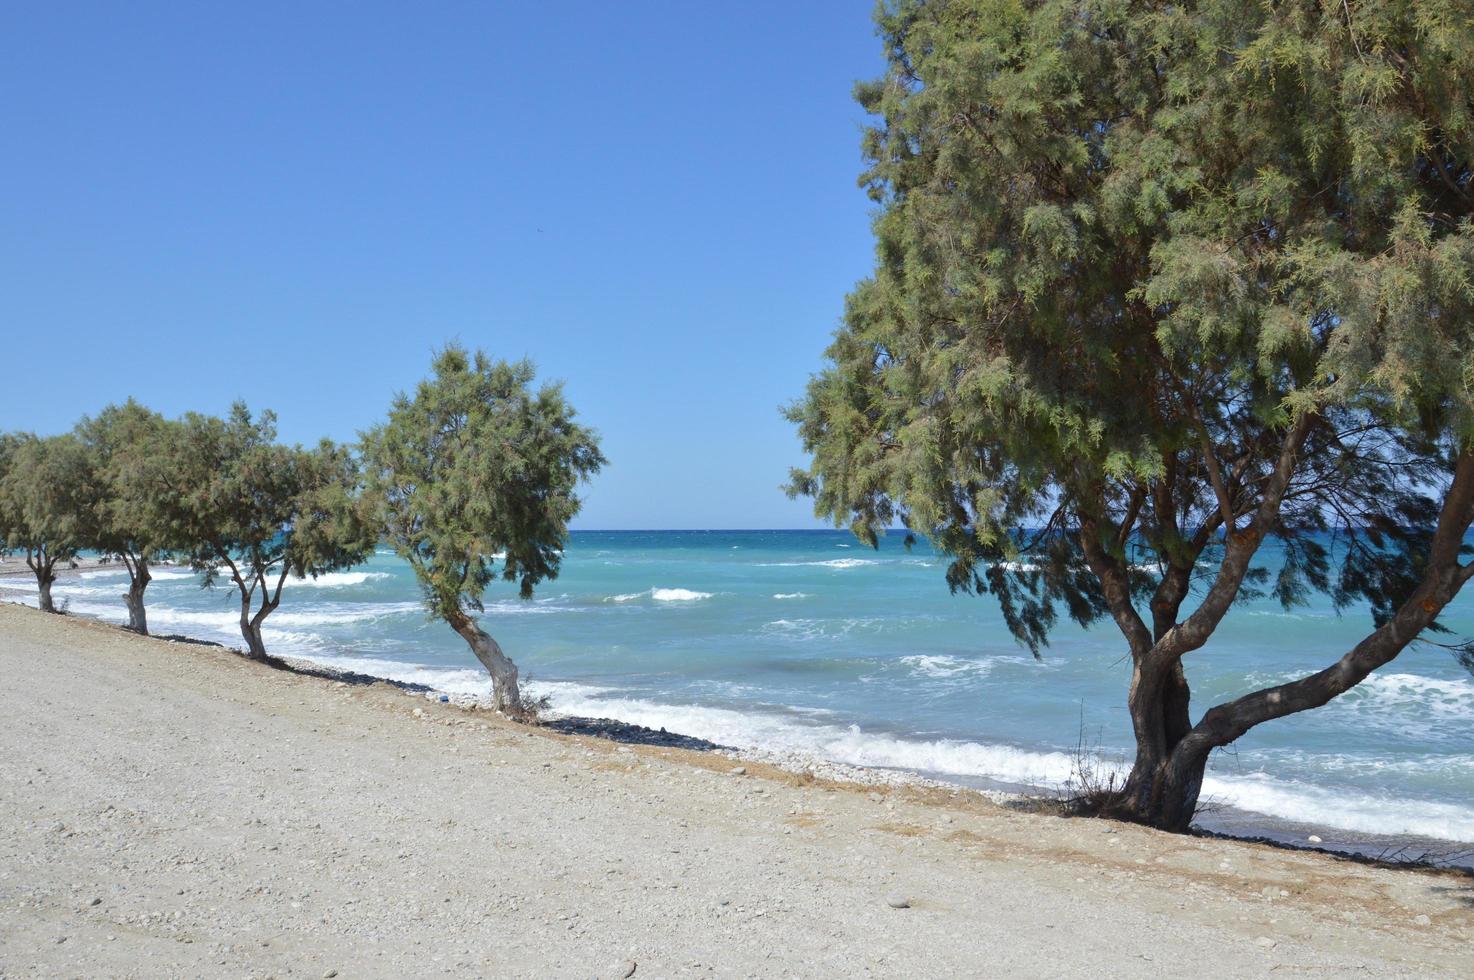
<point>471,681</point>
<point>814,629</point>
<point>164,574</point>
<point>772,732</point>
<point>831,563</point>
<point>1446,697</point>
<point>946,666</point>
<point>228,619</point>
<point>790,595</point>
<point>678,595</point>
<point>337,580</point>
<point>1042,769</point>
<point>1019,566</point>
<point>663,595</point>
<point>1341,807</point>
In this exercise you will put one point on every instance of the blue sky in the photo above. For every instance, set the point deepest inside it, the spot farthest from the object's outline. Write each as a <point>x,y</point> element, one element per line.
<point>295,203</point>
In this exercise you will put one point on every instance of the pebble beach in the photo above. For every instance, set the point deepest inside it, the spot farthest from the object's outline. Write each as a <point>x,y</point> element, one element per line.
<point>174,810</point>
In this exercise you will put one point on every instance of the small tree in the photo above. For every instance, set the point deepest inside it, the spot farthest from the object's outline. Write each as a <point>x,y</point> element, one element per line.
<point>9,442</point>
<point>1156,284</point>
<point>128,446</point>
<point>47,497</point>
<point>257,512</point>
<point>477,469</point>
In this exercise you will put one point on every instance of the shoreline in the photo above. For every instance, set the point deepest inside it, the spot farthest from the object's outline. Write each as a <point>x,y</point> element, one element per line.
<point>177,809</point>
<point>1218,819</point>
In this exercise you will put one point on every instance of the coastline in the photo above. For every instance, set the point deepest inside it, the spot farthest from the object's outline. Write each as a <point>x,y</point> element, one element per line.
<point>1402,845</point>
<point>224,816</point>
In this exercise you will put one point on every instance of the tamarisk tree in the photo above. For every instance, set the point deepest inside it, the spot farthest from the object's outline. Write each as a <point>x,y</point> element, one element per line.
<point>1157,284</point>
<point>47,502</point>
<point>257,512</point>
<point>128,449</point>
<point>473,478</point>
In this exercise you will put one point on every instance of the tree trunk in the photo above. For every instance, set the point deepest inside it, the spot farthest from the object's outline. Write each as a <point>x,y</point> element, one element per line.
<point>1166,779</point>
<point>506,697</point>
<point>137,617</point>
<point>255,648</point>
<point>43,583</point>
<point>251,630</point>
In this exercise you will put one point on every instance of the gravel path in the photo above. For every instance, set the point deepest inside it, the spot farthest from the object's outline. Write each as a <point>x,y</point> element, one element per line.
<point>173,810</point>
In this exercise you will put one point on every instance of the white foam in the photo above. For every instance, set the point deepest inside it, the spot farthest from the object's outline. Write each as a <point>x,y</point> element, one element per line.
<point>1019,566</point>
<point>1451,698</point>
<point>678,595</point>
<point>663,595</point>
<point>790,595</point>
<point>337,580</point>
<point>172,574</point>
<point>831,563</point>
<point>941,665</point>
<point>1342,807</point>
<point>850,745</point>
<point>1260,793</point>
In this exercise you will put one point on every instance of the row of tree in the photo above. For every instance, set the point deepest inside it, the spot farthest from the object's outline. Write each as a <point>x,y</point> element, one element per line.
<point>470,479</point>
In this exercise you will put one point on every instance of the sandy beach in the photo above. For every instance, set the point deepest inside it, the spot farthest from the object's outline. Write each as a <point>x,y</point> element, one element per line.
<point>173,810</point>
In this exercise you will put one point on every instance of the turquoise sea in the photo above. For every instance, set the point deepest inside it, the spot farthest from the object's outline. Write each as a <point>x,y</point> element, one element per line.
<point>810,642</point>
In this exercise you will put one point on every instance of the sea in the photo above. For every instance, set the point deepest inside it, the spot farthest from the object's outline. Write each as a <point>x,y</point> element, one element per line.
<point>810,644</point>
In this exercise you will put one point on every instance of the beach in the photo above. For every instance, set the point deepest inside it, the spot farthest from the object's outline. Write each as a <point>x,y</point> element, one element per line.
<point>806,647</point>
<point>174,810</point>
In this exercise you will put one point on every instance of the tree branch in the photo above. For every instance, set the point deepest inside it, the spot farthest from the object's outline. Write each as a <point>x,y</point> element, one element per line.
<point>1239,548</point>
<point>1442,581</point>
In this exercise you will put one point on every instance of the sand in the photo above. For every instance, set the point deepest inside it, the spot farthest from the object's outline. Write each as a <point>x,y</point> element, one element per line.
<point>171,809</point>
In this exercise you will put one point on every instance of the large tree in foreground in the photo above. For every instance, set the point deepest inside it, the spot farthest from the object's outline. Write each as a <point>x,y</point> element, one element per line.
<point>1158,285</point>
<point>47,504</point>
<point>257,512</point>
<point>474,479</point>
<point>128,447</point>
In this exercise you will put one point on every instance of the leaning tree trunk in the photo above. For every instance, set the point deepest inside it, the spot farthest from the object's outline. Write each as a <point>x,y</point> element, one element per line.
<point>506,697</point>
<point>137,616</point>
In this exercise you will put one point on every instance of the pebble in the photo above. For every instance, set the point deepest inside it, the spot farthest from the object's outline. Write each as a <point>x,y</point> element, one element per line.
<point>96,901</point>
<point>330,974</point>
<point>898,902</point>
<point>740,771</point>
<point>1266,942</point>
<point>1314,838</point>
<point>1422,920</point>
<point>625,969</point>
<point>418,713</point>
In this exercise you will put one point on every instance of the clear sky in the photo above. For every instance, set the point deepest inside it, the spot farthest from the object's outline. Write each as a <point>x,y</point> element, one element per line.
<point>294,203</point>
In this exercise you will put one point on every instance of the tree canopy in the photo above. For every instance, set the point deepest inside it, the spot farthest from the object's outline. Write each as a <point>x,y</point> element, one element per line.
<point>128,447</point>
<point>256,512</point>
<point>474,481</point>
<point>47,497</point>
<point>1155,282</point>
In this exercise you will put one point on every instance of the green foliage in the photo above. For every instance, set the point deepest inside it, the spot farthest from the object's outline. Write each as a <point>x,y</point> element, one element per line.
<point>129,447</point>
<point>477,469</point>
<point>1120,244</point>
<point>9,442</point>
<point>257,512</point>
<point>47,497</point>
